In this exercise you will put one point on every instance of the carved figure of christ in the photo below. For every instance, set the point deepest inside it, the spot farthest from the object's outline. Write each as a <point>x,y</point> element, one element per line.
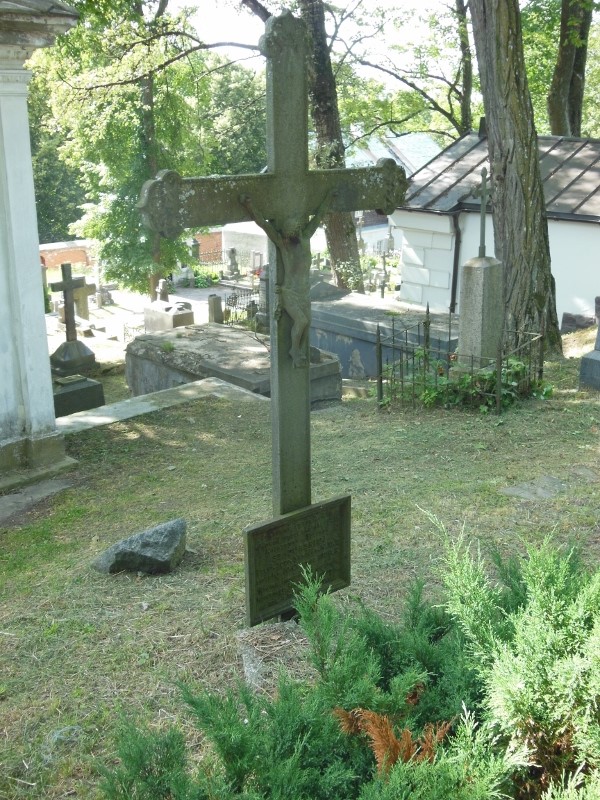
<point>288,202</point>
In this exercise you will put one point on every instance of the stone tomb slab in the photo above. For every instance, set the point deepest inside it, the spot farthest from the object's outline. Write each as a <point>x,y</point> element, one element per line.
<point>275,551</point>
<point>241,357</point>
<point>76,393</point>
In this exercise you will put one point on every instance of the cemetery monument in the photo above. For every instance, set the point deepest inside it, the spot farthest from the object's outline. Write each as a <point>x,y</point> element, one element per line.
<point>30,445</point>
<point>72,356</point>
<point>288,202</point>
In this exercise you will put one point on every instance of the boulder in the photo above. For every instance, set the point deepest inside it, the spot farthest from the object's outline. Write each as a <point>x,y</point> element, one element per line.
<point>156,550</point>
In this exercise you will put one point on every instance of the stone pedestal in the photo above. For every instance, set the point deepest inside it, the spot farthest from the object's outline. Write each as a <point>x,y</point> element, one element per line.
<point>481,312</point>
<point>71,358</point>
<point>77,393</point>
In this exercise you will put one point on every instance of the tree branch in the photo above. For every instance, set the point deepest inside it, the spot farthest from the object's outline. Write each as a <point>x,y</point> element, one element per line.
<point>257,8</point>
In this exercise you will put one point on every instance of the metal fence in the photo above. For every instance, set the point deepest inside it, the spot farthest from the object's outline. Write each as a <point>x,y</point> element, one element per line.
<point>413,373</point>
<point>241,306</point>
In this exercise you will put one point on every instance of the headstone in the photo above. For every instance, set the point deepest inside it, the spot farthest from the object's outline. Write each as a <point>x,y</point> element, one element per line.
<point>481,317</point>
<point>164,316</point>
<point>80,297</point>
<point>76,393</point>
<point>288,202</point>
<point>215,309</point>
<point>162,291</point>
<point>232,270</point>
<point>71,357</point>
<point>154,551</point>
<point>589,371</point>
<point>263,315</point>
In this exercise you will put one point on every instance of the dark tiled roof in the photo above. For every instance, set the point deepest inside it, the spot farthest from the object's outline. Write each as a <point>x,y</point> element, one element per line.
<point>35,7</point>
<point>570,172</point>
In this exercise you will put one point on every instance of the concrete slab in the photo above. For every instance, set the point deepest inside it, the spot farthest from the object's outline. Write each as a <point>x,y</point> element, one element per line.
<point>147,403</point>
<point>17,502</point>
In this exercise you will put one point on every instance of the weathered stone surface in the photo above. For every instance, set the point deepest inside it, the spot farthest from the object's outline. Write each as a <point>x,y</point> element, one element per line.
<point>163,360</point>
<point>156,550</point>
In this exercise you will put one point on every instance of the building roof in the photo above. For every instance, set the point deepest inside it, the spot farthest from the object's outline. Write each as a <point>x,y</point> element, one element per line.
<point>570,170</point>
<point>411,151</point>
<point>36,7</point>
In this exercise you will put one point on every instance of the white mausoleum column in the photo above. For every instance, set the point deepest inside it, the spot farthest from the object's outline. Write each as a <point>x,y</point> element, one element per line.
<point>28,437</point>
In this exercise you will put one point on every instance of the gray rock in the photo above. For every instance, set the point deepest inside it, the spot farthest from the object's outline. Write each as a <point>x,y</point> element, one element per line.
<point>156,550</point>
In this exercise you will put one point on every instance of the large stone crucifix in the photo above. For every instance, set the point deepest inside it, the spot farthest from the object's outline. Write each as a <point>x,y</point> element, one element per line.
<point>289,201</point>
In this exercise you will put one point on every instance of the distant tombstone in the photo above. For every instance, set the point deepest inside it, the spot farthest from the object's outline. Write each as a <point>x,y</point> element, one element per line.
<point>232,270</point>
<point>215,309</point>
<point>80,297</point>
<point>262,314</point>
<point>72,356</point>
<point>162,291</point>
<point>164,314</point>
<point>481,302</point>
<point>589,371</point>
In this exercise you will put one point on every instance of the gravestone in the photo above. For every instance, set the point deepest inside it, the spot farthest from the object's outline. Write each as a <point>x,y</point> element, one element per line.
<point>80,298</point>
<point>164,314</point>
<point>72,356</point>
<point>288,202</point>
<point>76,393</point>
<point>481,301</point>
<point>589,371</point>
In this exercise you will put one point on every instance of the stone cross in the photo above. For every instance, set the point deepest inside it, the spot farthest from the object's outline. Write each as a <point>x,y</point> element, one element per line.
<point>482,191</point>
<point>288,201</point>
<point>67,287</point>
<point>80,296</point>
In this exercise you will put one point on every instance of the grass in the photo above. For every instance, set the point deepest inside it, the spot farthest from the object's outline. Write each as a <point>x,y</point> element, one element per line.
<point>78,649</point>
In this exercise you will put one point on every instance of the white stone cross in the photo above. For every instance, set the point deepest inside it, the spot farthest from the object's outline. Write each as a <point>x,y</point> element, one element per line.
<point>289,201</point>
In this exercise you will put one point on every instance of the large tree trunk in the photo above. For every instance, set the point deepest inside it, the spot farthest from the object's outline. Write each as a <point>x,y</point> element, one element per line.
<point>339,227</point>
<point>565,98</point>
<point>148,136</point>
<point>520,225</point>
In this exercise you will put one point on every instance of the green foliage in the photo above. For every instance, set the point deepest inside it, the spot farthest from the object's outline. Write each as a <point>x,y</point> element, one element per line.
<point>153,767</point>
<point>131,93</point>
<point>513,668</point>
<point>434,382</point>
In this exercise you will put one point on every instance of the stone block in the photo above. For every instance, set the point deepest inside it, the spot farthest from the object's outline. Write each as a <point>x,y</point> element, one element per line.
<point>76,393</point>
<point>413,274</point>
<point>156,319</point>
<point>589,371</point>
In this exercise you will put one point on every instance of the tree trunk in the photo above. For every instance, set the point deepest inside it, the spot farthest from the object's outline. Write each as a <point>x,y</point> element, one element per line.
<point>339,227</point>
<point>466,66</point>
<point>520,224</point>
<point>565,98</point>
<point>148,135</point>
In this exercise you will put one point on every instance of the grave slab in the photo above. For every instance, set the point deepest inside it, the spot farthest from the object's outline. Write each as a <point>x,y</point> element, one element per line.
<point>76,393</point>
<point>241,357</point>
<point>275,552</point>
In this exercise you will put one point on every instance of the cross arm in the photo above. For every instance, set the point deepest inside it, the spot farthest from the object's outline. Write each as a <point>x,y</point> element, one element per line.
<point>170,203</point>
<point>381,188</point>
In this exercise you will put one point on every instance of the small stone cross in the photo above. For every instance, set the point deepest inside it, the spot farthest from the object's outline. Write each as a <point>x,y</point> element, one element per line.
<point>483,193</point>
<point>289,201</point>
<point>67,287</point>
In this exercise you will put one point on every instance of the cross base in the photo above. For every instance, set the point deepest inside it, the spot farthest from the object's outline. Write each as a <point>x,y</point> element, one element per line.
<point>71,358</point>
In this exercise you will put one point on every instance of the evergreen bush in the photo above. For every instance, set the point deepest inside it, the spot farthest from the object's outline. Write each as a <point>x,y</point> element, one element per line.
<point>495,693</point>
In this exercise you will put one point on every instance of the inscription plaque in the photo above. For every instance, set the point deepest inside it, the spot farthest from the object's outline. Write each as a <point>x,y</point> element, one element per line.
<point>317,536</point>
